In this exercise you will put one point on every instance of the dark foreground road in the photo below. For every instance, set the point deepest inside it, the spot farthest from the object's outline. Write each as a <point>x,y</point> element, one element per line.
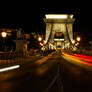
<point>37,76</point>
<point>76,78</point>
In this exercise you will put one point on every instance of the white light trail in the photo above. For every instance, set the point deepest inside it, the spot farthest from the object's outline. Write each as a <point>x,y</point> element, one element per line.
<point>9,68</point>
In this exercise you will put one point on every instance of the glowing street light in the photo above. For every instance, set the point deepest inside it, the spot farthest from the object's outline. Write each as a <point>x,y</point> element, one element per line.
<point>76,44</point>
<point>41,44</point>
<point>44,42</point>
<point>78,39</point>
<point>40,39</point>
<point>73,41</point>
<point>4,34</point>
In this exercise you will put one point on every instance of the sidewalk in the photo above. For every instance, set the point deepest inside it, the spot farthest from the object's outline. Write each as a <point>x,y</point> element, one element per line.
<point>22,60</point>
<point>19,60</point>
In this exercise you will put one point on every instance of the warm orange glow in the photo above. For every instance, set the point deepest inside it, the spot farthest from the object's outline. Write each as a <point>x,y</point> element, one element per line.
<point>58,34</point>
<point>41,44</point>
<point>9,31</point>
<point>76,44</point>
<point>27,36</point>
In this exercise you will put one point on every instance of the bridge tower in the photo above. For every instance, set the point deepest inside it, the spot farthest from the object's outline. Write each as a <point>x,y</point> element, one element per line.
<point>59,33</point>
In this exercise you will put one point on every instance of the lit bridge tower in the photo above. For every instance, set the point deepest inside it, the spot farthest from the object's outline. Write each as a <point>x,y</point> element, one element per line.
<point>59,32</point>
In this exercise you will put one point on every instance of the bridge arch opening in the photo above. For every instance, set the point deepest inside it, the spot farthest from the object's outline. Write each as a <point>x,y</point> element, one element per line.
<point>59,35</point>
<point>59,40</point>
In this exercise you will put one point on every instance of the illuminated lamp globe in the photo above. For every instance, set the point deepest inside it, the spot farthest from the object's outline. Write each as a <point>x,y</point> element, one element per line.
<point>4,34</point>
<point>73,41</point>
<point>40,39</point>
<point>78,38</point>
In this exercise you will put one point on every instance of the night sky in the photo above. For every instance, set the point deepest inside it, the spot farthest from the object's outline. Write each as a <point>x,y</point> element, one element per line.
<point>30,17</point>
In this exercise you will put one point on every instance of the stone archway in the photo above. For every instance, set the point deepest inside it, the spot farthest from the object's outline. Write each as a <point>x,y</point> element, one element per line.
<point>59,23</point>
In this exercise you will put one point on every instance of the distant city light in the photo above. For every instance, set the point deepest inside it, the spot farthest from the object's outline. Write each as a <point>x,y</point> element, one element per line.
<point>58,16</point>
<point>4,34</point>
<point>9,68</point>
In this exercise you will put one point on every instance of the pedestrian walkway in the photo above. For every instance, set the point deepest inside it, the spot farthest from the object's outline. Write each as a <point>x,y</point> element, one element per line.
<point>23,60</point>
<point>19,60</point>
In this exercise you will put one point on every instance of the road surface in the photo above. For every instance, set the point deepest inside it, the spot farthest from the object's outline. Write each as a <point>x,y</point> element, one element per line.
<point>37,76</point>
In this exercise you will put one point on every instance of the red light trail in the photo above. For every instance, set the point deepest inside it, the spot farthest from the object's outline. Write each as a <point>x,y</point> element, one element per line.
<point>84,57</point>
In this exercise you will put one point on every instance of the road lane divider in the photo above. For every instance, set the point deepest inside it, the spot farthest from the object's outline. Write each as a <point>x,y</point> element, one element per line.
<point>59,82</point>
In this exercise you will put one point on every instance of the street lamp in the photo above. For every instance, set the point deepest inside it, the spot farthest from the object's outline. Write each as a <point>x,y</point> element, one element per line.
<point>44,41</point>
<point>4,34</point>
<point>73,41</point>
<point>78,39</point>
<point>40,39</point>
<point>76,44</point>
<point>41,44</point>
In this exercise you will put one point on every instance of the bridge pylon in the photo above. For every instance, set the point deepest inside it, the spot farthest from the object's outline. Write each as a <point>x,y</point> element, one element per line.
<point>59,31</point>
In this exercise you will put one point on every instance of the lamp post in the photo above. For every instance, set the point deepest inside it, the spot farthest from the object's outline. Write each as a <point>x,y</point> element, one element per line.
<point>78,44</point>
<point>4,35</point>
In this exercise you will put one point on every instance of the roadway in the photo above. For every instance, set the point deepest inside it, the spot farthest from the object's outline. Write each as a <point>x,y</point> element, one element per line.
<point>38,75</point>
